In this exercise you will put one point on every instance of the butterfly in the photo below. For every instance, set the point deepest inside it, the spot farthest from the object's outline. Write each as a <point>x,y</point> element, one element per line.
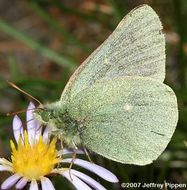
<point>116,103</point>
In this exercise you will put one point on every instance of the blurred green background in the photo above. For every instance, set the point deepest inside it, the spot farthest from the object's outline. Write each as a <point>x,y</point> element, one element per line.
<point>43,41</point>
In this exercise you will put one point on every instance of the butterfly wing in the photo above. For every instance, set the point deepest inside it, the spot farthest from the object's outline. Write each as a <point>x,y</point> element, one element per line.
<point>130,120</point>
<point>135,48</point>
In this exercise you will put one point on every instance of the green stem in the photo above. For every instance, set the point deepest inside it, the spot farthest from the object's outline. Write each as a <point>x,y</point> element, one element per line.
<point>54,24</point>
<point>86,16</point>
<point>117,11</point>
<point>13,67</point>
<point>35,45</point>
<point>181,31</point>
<point>30,81</point>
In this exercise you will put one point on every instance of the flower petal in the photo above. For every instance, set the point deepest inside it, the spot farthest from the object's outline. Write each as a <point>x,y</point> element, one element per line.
<point>34,185</point>
<point>88,180</point>
<point>79,185</point>
<point>32,123</point>
<point>38,131</point>
<point>69,151</point>
<point>46,184</point>
<point>17,128</point>
<point>46,134</point>
<point>5,168</point>
<point>100,171</point>
<point>4,161</point>
<point>30,120</point>
<point>21,183</point>
<point>10,181</point>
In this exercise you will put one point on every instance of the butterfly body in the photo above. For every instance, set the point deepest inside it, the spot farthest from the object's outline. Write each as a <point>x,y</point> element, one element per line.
<point>116,103</point>
<point>62,125</point>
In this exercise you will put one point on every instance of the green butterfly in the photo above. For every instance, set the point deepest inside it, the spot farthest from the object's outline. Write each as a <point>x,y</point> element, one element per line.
<point>116,103</point>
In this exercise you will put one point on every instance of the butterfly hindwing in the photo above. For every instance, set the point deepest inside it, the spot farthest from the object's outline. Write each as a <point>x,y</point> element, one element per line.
<point>130,120</point>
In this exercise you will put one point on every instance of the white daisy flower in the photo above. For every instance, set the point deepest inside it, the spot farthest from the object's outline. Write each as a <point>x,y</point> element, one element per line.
<point>34,157</point>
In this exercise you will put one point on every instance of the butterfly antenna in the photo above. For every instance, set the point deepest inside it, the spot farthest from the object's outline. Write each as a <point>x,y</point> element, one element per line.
<point>20,111</point>
<point>17,112</point>
<point>19,89</point>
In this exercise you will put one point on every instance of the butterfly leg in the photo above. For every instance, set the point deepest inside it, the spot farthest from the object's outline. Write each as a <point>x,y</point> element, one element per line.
<point>87,154</point>
<point>73,158</point>
<point>62,149</point>
<point>72,161</point>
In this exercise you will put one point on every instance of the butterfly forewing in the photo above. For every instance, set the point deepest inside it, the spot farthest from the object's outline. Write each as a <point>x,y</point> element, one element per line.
<point>135,48</point>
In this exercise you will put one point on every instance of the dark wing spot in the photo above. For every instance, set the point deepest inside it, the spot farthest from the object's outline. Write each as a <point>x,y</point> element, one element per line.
<point>158,133</point>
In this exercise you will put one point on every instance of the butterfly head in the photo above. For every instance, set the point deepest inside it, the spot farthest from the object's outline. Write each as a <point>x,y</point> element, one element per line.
<point>45,113</point>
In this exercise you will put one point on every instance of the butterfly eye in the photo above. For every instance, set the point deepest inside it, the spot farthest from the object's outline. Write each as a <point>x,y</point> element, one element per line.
<point>46,115</point>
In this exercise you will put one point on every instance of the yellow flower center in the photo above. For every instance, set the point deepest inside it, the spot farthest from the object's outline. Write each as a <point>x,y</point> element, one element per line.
<point>33,161</point>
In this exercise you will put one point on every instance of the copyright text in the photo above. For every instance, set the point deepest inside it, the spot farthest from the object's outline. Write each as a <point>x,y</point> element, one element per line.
<point>154,185</point>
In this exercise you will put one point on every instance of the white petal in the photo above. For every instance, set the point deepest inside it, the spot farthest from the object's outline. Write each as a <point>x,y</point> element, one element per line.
<point>31,107</point>
<point>34,185</point>
<point>32,123</point>
<point>46,134</point>
<point>79,185</point>
<point>5,168</point>
<point>10,181</point>
<point>38,131</point>
<point>100,171</point>
<point>4,161</point>
<point>17,128</point>
<point>21,183</point>
<point>69,151</point>
<point>46,184</point>
<point>88,180</point>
